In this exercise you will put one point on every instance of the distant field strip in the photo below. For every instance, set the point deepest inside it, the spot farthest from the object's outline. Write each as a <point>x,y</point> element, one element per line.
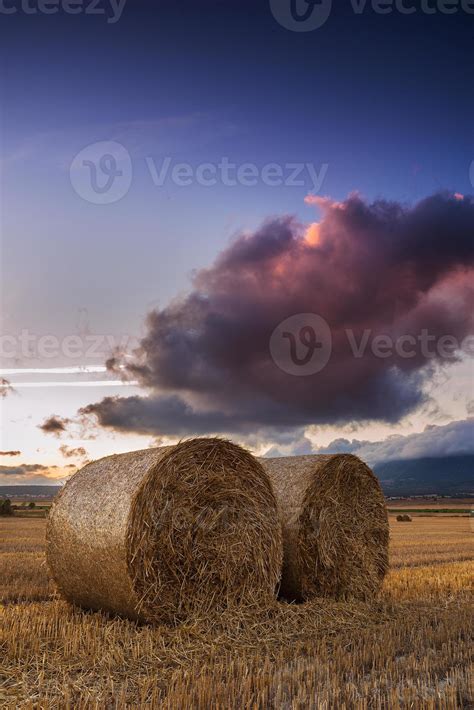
<point>431,541</point>
<point>431,511</point>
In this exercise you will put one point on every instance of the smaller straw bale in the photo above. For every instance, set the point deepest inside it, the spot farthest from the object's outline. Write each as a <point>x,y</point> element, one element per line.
<point>335,526</point>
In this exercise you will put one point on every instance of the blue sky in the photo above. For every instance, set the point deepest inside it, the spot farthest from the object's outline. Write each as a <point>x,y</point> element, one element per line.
<point>384,101</point>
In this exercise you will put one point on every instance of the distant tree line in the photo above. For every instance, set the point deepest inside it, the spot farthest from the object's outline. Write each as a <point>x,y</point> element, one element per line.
<point>6,507</point>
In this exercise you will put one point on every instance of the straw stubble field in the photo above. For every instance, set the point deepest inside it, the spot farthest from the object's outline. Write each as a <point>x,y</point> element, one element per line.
<point>410,648</point>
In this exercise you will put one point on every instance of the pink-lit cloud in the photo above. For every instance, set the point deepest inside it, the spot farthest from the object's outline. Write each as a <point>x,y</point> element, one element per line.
<point>382,268</point>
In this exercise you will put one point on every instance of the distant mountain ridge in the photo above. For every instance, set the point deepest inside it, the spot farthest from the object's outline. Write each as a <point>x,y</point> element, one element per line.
<point>29,491</point>
<point>443,475</point>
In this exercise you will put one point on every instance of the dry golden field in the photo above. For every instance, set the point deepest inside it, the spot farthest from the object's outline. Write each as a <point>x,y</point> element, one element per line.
<point>409,649</point>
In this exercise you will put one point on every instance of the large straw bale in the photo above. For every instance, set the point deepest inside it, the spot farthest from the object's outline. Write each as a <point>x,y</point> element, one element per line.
<point>335,526</point>
<point>163,533</point>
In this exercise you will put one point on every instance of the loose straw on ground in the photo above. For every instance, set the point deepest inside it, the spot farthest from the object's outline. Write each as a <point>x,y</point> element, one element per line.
<point>335,526</point>
<point>164,533</point>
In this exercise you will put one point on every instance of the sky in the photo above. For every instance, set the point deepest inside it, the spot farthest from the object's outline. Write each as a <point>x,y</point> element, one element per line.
<point>179,179</point>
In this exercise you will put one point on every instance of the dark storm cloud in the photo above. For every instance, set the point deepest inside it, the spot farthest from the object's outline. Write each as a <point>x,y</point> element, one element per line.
<point>24,469</point>
<point>69,452</point>
<point>6,388</point>
<point>10,453</point>
<point>54,425</point>
<point>170,415</point>
<point>112,363</point>
<point>376,269</point>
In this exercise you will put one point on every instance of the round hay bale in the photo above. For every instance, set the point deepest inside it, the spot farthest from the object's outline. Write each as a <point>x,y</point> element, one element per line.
<point>335,526</point>
<point>159,534</point>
